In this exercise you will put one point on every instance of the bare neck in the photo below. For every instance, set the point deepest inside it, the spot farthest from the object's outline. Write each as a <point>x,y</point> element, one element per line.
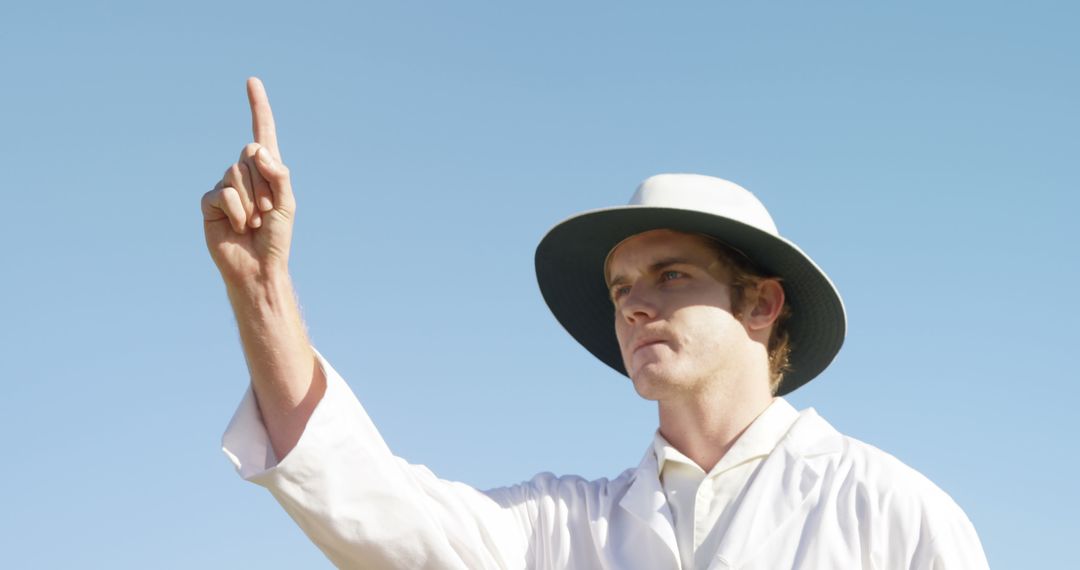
<point>704,426</point>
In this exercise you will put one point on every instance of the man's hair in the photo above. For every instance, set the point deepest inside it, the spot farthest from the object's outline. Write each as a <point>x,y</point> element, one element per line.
<point>745,277</point>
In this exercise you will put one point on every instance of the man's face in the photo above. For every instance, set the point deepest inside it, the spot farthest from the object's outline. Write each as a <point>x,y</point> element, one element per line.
<point>673,316</point>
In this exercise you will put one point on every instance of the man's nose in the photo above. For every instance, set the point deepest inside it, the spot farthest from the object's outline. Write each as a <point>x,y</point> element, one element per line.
<point>638,305</point>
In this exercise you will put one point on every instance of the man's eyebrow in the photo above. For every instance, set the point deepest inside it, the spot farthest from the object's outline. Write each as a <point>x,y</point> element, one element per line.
<point>653,268</point>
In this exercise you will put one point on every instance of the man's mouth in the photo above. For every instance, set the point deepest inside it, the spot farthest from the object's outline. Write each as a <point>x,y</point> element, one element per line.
<point>646,342</point>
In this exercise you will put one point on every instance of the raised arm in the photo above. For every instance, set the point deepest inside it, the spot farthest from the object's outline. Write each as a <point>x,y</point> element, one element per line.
<point>248,222</point>
<point>364,507</point>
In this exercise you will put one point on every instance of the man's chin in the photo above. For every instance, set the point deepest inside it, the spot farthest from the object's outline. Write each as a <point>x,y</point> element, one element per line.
<point>653,382</point>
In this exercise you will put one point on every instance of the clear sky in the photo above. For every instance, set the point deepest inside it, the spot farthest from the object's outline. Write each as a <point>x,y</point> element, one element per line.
<point>924,153</point>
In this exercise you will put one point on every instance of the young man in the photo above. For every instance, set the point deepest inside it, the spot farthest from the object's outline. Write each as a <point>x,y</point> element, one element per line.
<point>692,293</point>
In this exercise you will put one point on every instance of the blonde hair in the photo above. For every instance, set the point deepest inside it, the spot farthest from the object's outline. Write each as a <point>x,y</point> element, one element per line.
<point>745,278</point>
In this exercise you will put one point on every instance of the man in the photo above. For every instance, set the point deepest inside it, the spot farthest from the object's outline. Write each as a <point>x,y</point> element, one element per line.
<point>692,293</point>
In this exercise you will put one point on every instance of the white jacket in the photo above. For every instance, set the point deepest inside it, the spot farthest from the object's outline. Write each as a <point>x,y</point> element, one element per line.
<point>820,500</point>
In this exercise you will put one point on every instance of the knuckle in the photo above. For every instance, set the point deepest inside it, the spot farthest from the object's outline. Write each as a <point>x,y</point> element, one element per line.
<point>235,178</point>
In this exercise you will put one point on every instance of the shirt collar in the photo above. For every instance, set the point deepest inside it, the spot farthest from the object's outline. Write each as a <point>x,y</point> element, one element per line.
<point>759,439</point>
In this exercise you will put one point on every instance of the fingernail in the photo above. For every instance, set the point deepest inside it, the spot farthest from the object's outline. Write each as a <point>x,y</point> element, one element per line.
<point>265,204</point>
<point>256,220</point>
<point>265,158</point>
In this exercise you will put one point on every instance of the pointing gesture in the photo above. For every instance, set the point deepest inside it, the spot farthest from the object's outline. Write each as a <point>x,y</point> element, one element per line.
<point>248,216</point>
<point>248,221</point>
<point>262,118</point>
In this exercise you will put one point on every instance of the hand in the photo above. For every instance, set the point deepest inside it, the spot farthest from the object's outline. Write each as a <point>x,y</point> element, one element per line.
<point>248,216</point>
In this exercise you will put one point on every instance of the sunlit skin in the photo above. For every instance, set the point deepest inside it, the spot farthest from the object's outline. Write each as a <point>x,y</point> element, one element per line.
<point>683,347</point>
<point>248,223</point>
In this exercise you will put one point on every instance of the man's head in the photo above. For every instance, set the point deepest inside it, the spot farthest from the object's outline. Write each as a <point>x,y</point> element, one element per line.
<point>570,268</point>
<point>691,312</point>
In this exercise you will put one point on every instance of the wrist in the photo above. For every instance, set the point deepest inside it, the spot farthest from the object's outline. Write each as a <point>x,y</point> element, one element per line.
<point>269,292</point>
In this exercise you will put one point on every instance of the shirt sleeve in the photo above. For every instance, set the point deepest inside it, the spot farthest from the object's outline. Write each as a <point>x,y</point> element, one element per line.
<point>929,530</point>
<point>950,543</point>
<point>364,507</point>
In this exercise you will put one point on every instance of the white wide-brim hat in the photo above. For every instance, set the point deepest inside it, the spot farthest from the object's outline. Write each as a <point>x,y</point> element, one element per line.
<point>570,265</point>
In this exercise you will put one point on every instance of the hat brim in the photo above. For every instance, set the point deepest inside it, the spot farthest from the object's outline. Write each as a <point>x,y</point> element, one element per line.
<point>570,271</point>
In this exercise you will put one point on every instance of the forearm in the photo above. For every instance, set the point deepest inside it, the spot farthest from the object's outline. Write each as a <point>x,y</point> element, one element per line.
<point>286,379</point>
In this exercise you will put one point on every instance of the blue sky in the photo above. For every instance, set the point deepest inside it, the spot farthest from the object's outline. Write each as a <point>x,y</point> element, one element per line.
<point>924,155</point>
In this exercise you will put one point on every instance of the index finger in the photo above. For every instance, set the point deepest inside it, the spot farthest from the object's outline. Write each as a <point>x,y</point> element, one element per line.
<point>262,118</point>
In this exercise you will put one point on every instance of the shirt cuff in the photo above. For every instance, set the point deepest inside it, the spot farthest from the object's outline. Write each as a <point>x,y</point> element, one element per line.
<point>246,442</point>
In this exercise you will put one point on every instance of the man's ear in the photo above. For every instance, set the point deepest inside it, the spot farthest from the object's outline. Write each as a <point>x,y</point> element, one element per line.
<point>768,303</point>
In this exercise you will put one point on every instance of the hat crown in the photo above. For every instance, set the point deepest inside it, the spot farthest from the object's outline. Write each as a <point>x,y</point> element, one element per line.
<point>704,194</point>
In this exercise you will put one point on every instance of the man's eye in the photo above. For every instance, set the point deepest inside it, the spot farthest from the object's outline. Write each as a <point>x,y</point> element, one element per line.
<point>619,292</point>
<point>670,274</point>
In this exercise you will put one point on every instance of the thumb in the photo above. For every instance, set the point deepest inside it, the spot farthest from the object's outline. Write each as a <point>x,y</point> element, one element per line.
<point>276,175</point>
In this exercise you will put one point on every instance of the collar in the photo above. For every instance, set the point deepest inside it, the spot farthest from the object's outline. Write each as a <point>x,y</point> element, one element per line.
<point>757,441</point>
<point>786,480</point>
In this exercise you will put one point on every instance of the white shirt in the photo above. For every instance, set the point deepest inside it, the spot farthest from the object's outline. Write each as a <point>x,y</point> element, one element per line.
<point>818,500</point>
<point>702,504</point>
